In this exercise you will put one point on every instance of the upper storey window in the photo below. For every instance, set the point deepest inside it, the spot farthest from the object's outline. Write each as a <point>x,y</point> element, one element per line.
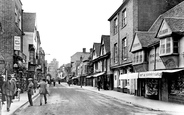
<point>168,46</point>
<point>115,26</point>
<point>124,18</point>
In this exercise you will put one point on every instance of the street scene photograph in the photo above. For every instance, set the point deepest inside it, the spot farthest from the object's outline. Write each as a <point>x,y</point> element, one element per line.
<point>92,57</point>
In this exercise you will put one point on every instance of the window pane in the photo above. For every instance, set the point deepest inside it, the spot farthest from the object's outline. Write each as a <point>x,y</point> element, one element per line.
<point>168,45</point>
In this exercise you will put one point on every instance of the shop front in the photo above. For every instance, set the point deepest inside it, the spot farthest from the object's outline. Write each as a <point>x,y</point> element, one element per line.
<point>96,76</point>
<point>160,85</point>
<point>129,83</point>
<point>89,80</point>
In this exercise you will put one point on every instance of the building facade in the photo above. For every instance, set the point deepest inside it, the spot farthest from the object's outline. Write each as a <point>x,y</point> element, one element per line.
<point>131,16</point>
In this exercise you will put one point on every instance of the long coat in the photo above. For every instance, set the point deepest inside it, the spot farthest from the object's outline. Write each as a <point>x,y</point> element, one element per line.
<point>43,87</point>
<point>30,88</point>
<point>9,88</point>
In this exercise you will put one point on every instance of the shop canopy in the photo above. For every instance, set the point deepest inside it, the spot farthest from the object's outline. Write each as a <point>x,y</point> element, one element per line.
<point>75,77</point>
<point>129,76</point>
<point>90,76</point>
<point>98,74</point>
<point>156,74</point>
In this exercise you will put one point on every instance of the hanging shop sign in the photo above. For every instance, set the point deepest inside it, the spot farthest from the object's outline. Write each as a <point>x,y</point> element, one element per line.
<point>17,43</point>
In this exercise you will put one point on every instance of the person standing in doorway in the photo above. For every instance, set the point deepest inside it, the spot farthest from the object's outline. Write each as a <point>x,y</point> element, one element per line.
<point>99,84</point>
<point>30,91</point>
<point>43,91</point>
<point>9,90</point>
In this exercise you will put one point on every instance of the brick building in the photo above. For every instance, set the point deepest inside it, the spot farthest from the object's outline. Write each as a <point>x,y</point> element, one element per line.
<point>11,41</point>
<point>131,16</point>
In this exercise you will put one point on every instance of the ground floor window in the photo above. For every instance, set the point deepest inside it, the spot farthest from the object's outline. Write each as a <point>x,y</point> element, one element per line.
<point>152,87</point>
<point>176,84</point>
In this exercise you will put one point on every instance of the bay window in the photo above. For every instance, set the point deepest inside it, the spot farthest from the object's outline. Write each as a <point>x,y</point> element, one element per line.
<point>168,46</point>
<point>138,57</point>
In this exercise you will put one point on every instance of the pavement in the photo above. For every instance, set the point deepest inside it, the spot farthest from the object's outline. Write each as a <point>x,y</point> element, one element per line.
<point>18,103</point>
<point>173,108</point>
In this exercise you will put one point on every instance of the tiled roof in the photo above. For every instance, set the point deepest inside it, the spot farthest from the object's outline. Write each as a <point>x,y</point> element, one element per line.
<point>175,24</point>
<point>106,39</point>
<point>177,11</point>
<point>97,48</point>
<point>29,20</point>
<point>146,38</point>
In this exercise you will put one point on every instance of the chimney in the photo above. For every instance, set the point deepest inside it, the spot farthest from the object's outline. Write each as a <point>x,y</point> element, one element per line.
<point>91,50</point>
<point>84,50</point>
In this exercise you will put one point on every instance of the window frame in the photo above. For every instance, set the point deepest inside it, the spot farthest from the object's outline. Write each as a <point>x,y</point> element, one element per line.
<point>138,57</point>
<point>115,53</point>
<point>124,18</point>
<point>115,25</point>
<point>124,49</point>
<point>167,42</point>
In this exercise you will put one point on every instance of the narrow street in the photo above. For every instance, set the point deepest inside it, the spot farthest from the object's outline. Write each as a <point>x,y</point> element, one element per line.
<point>65,100</point>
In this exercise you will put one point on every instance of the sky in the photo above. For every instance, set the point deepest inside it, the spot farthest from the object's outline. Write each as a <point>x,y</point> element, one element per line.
<point>68,26</point>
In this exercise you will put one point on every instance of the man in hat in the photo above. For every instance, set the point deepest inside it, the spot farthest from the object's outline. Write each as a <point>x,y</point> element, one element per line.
<point>9,89</point>
<point>43,91</point>
<point>30,91</point>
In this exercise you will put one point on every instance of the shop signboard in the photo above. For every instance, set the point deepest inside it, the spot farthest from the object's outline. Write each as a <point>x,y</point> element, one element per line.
<point>150,74</point>
<point>17,43</point>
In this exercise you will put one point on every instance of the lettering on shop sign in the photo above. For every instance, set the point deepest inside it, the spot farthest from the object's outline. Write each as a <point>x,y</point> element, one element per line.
<point>150,75</point>
<point>152,60</point>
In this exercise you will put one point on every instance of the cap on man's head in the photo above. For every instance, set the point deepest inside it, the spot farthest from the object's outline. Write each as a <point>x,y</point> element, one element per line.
<point>30,79</point>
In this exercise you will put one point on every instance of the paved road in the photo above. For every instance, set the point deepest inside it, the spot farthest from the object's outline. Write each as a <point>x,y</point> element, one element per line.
<point>77,101</point>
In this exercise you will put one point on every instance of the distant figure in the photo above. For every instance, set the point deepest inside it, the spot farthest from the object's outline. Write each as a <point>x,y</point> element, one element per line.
<point>43,91</point>
<point>30,91</point>
<point>99,84</point>
<point>8,90</point>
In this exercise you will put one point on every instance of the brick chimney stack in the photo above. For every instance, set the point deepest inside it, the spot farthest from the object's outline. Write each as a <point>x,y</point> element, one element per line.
<point>84,50</point>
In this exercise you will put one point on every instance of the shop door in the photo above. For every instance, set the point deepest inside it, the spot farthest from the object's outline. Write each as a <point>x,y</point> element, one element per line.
<point>142,83</point>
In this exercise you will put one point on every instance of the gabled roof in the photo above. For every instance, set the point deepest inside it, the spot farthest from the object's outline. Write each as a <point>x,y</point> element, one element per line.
<point>97,48</point>
<point>29,21</point>
<point>106,39</point>
<point>177,11</point>
<point>145,38</point>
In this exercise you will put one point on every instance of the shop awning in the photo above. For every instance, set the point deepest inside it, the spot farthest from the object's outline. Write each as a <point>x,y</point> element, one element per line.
<point>98,74</point>
<point>75,77</point>
<point>156,74</point>
<point>90,76</point>
<point>129,76</point>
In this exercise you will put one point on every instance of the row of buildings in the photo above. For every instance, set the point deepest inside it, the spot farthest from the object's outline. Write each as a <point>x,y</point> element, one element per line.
<point>142,56</point>
<point>21,54</point>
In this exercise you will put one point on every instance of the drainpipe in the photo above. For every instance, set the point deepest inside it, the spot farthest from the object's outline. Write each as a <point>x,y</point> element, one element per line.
<point>155,59</point>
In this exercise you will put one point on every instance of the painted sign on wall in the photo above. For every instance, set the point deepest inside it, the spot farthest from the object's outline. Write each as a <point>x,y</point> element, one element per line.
<point>17,43</point>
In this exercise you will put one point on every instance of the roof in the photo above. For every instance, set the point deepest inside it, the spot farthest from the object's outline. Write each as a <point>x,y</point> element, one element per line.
<point>146,38</point>
<point>175,24</point>
<point>29,21</point>
<point>97,48</point>
<point>106,39</point>
<point>118,10</point>
<point>177,11</point>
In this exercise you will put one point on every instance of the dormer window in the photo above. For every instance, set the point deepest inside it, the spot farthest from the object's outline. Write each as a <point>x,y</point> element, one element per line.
<point>168,46</point>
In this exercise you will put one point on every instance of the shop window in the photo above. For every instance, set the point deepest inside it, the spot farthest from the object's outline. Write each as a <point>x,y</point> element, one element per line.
<point>176,85</point>
<point>152,87</point>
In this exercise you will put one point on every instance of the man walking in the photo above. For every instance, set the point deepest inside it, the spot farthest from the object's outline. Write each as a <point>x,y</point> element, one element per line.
<point>43,91</point>
<point>8,90</point>
<point>30,91</point>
